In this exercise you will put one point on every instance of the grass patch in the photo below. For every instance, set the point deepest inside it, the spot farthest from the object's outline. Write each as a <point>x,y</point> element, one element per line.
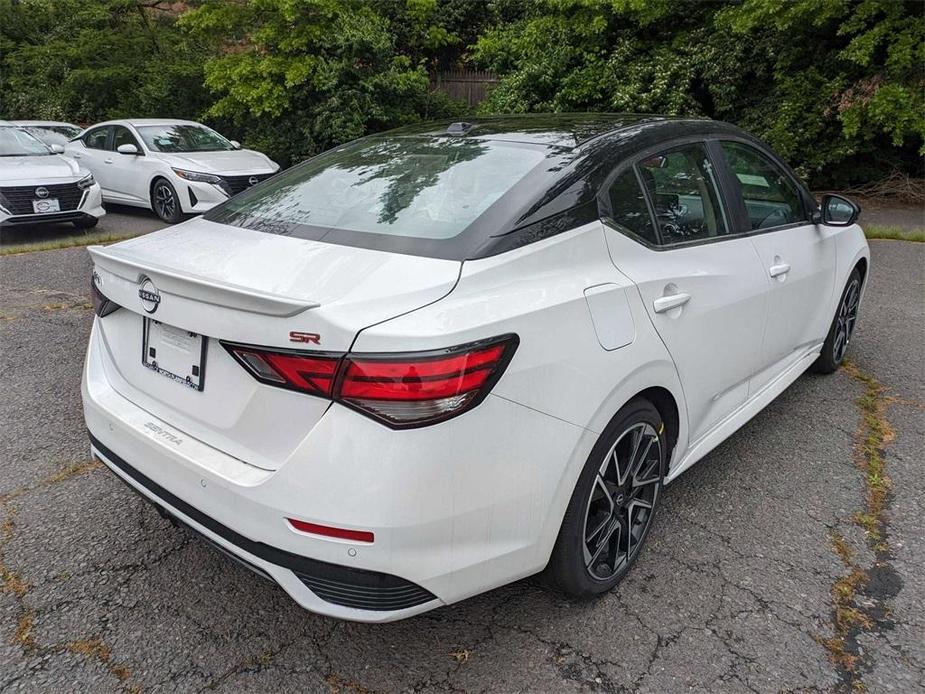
<point>875,434</point>
<point>895,233</point>
<point>63,242</point>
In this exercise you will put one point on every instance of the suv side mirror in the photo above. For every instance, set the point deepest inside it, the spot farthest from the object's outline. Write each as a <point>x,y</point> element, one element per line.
<point>235,144</point>
<point>838,211</point>
<point>127,149</point>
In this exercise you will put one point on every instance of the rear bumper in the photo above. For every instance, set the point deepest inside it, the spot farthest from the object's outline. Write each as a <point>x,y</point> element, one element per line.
<point>337,585</point>
<point>456,509</point>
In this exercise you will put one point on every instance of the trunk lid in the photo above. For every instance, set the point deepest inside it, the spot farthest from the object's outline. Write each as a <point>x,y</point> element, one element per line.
<point>237,285</point>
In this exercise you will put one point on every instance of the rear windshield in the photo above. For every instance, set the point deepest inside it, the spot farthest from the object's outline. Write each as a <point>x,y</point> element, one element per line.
<point>398,188</point>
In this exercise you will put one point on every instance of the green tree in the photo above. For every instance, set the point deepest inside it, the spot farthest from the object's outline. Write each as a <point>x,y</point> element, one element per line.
<point>302,75</point>
<point>826,82</point>
<point>87,61</point>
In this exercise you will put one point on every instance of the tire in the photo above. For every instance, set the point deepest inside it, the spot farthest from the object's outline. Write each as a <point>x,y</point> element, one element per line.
<point>85,222</point>
<point>846,315</point>
<point>165,202</point>
<point>594,551</point>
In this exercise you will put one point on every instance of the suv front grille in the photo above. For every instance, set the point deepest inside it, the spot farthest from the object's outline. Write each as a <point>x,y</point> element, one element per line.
<point>235,184</point>
<point>19,198</point>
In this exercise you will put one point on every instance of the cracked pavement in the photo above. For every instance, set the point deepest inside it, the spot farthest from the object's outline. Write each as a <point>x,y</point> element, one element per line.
<point>733,593</point>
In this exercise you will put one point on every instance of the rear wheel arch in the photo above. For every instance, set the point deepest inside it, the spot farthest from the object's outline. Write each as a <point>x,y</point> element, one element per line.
<point>667,407</point>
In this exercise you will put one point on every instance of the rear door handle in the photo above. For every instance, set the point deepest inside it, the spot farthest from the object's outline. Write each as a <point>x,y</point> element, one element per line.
<point>779,269</point>
<point>666,303</point>
<point>109,161</point>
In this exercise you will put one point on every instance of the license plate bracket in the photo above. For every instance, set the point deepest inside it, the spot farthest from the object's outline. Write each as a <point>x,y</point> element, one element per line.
<point>45,206</point>
<point>178,354</point>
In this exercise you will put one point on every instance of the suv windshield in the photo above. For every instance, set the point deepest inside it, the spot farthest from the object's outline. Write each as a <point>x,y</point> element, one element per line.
<point>401,188</point>
<point>183,138</point>
<point>54,134</point>
<point>16,142</point>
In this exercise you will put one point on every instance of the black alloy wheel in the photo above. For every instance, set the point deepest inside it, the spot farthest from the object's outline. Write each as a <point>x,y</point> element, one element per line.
<point>614,502</point>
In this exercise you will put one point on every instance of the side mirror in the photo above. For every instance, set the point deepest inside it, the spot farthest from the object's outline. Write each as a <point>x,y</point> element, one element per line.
<point>235,144</point>
<point>57,149</point>
<point>127,149</point>
<point>838,211</point>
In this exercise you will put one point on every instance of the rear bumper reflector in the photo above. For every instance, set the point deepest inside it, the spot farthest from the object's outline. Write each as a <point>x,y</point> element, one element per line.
<point>340,585</point>
<point>328,531</point>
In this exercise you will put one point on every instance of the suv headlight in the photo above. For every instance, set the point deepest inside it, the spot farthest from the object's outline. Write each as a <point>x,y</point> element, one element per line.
<point>197,176</point>
<point>86,181</point>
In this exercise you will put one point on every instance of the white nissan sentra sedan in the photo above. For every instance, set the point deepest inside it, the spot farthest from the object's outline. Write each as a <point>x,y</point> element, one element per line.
<point>434,361</point>
<point>40,186</point>
<point>172,167</point>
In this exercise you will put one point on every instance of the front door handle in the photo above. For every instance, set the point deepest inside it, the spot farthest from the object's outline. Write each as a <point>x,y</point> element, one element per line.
<point>779,269</point>
<point>109,161</point>
<point>76,156</point>
<point>666,303</point>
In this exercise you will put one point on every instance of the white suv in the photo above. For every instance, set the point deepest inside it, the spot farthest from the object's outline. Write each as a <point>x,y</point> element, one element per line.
<point>173,167</point>
<point>38,185</point>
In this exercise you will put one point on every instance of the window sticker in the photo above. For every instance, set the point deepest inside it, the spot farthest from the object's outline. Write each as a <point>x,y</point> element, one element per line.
<point>753,180</point>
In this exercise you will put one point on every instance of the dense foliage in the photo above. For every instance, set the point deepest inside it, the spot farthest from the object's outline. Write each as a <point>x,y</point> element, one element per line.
<point>835,85</point>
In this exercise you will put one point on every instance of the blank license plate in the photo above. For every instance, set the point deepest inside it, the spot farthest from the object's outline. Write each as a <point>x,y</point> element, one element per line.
<point>177,354</point>
<point>47,205</point>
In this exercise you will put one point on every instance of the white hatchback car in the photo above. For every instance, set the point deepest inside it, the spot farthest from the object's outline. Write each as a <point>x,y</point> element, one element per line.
<point>431,362</point>
<point>40,186</point>
<point>173,167</point>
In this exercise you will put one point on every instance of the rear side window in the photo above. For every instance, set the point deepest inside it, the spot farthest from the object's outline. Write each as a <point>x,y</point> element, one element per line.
<point>96,139</point>
<point>628,206</point>
<point>771,198</point>
<point>682,187</point>
<point>397,187</point>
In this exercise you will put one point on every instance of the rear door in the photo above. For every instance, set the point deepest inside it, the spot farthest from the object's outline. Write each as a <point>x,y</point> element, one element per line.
<point>797,257</point>
<point>701,284</point>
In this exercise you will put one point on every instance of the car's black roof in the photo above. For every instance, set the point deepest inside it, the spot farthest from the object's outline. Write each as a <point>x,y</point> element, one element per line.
<point>568,130</point>
<point>583,150</point>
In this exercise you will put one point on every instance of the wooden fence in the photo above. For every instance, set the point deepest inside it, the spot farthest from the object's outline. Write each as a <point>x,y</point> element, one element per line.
<point>469,86</point>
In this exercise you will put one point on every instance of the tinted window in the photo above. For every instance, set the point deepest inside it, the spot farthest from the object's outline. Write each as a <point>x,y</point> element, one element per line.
<point>123,136</point>
<point>771,198</point>
<point>183,138</point>
<point>628,206</point>
<point>399,187</point>
<point>682,187</point>
<point>96,139</point>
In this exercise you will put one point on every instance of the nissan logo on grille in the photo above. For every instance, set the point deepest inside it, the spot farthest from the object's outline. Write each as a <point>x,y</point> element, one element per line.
<point>41,192</point>
<point>252,180</point>
<point>150,297</point>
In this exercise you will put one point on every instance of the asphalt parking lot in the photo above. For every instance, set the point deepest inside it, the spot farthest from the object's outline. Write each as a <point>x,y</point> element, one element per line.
<point>119,221</point>
<point>774,565</point>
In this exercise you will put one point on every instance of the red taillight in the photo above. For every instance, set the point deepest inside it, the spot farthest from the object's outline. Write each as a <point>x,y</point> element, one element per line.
<point>413,389</point>
<point>309,373</point>
<point>401,390</point>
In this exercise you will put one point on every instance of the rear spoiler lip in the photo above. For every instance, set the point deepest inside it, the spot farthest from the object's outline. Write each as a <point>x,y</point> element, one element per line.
<point>178,283</point>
